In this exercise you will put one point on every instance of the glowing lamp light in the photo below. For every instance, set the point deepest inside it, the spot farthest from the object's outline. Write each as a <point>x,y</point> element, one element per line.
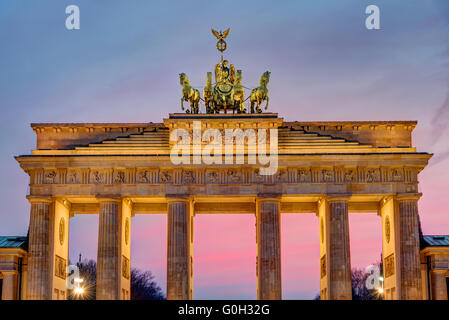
<point>380,290</point>
<point>78,280</point>
<point>79,290</point>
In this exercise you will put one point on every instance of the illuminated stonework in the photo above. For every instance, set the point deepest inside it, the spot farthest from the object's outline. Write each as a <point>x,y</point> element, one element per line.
<point>118,170</point>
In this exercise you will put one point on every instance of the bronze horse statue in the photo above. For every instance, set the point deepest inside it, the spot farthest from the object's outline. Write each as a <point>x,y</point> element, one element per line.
<point>209,96</point>
<point>238,94</point>
<point>260,94</point>
<point>189,94</point>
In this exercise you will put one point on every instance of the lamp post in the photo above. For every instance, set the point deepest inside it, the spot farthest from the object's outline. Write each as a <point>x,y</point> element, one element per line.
<point>79,291</point>
<point>380,290</point>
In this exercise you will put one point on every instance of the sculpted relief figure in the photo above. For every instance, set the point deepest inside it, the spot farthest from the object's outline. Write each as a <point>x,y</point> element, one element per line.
<point>281,175</point>
<point>304,175</point>
<point>372,175</point>
<point>350,175</point>
<point>396,175</point>
<point>119,177</point>
<point>327,175</point>
<point>144,176</point>
<point>234,175</point>
<point>165,177</point>
<point>73,177</point>
<point>212,176</point>
<point>98,177</point>
<point>258,176</point>
<point>50,177</point>
<point>188,176</point>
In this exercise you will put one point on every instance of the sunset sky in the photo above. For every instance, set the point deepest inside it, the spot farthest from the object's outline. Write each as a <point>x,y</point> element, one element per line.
<point>123,65</point>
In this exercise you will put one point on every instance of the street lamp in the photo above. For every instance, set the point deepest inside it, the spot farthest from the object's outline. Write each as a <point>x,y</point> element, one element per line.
<point>380,290</point>
<point>78,289</point>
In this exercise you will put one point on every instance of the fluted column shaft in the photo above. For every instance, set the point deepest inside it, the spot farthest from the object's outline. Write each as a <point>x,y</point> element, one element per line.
<point>268,250</point>
<point>339,252</point>
<point>9,291</point>
<point>39,264</point>
<point>178,250</point>
<point>438,284</point>
<point>409,250</point>
<point>108,260</point>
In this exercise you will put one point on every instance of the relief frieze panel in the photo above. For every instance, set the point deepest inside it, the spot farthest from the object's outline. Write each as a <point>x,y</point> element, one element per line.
<point>231,175</point>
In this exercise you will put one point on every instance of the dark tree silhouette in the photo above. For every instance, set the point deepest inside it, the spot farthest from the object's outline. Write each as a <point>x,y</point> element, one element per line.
<point>143,286</point>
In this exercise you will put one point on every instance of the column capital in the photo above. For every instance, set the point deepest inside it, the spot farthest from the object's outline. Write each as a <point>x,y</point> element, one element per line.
<point>10,272</point>
<point>333,197</point>
<point>40,199</point>
<point>177,198</point>
<point>408,196</point>
<point>109,199</point>
<point>273,197</point>
<point>438,270</point>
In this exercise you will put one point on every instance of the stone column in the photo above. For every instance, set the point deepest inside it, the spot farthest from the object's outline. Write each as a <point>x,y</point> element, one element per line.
<point>10,286</point>
<point>335,258</point>
<point>178,249</point>
<point>108,260</point>
<point>410,276</point>
<point>39,263</point>
<point>268,237</point>
<point>438,284</point>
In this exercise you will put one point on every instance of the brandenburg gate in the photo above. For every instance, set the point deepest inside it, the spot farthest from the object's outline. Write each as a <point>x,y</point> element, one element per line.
<point>327,168</point>
<point>118,170</point>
